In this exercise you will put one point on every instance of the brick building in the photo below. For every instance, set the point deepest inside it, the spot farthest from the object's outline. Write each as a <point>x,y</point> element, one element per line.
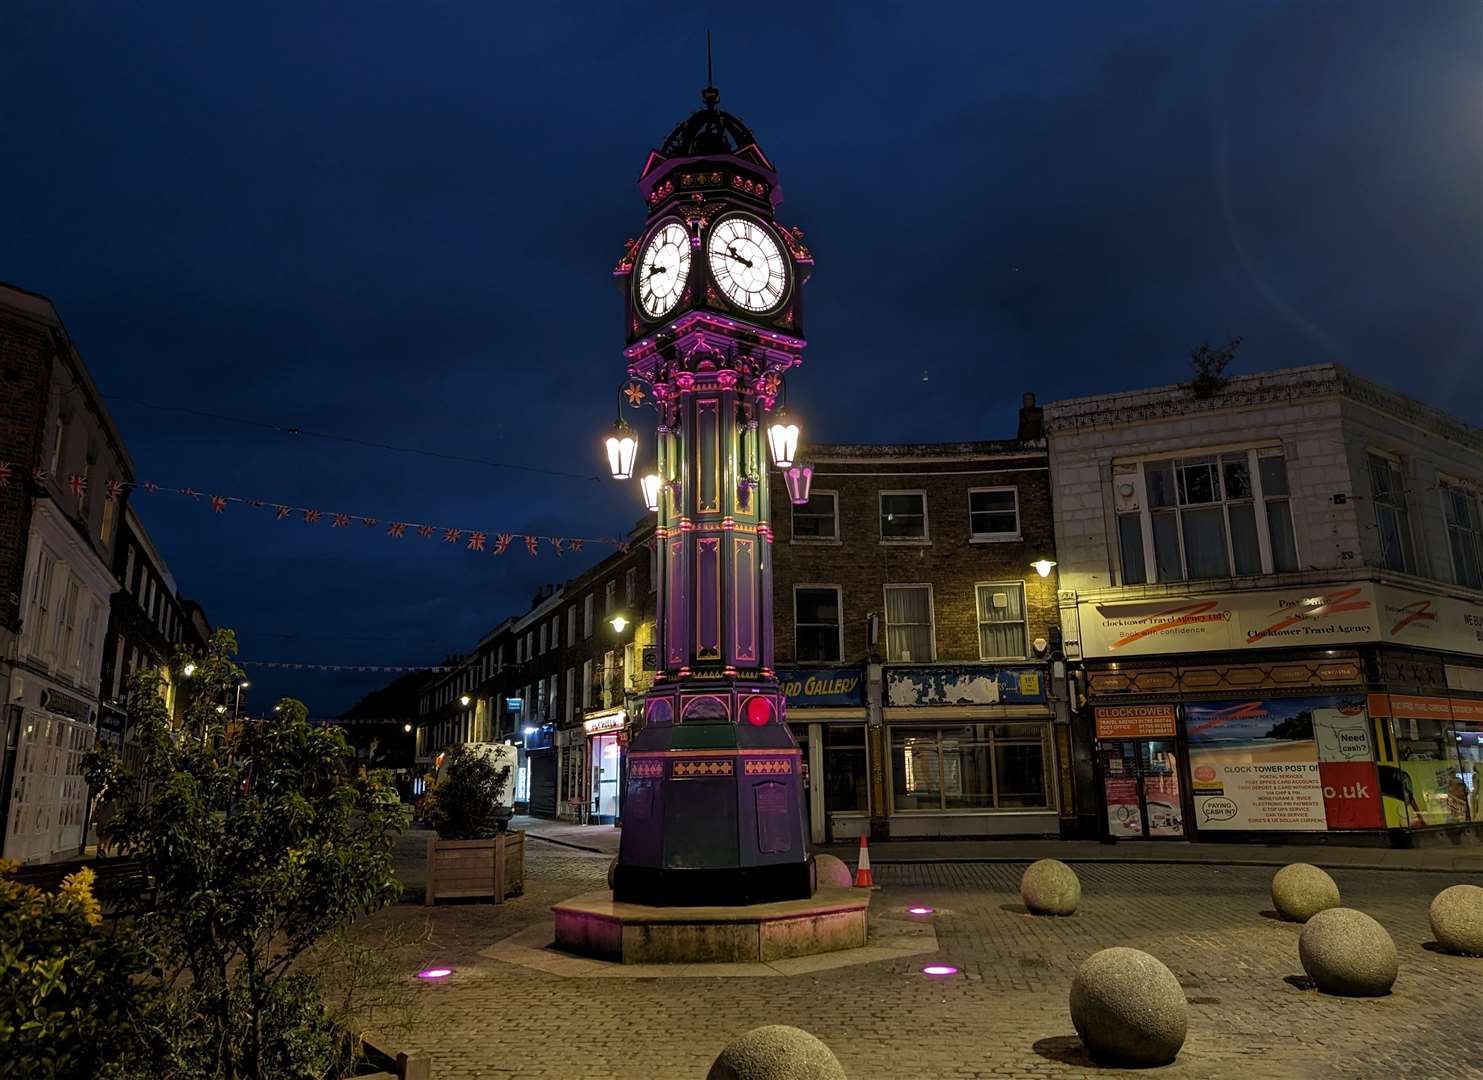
<point>58,528</point>
<point>557,682</point>
<point>1276,593</point>
<point>913,638</point>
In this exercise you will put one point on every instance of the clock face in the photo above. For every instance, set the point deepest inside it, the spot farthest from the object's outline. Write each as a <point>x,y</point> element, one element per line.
<point>749,267</point>
<point>662,270</point>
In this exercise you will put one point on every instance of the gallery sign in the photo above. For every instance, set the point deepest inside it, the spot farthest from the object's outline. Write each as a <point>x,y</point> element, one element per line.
<point>1279,618</point>
<point>821,687</point>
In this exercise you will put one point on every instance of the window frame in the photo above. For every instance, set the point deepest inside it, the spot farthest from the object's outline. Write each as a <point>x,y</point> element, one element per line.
<point>995,537</point>
<point>838,627</point>
<point>794,538</point>
<point>1049,765</point>
<point>1025,621</point>
<point>931,618</point>
<point>588,602</point>
<point>1446,486</point>
<point>1397,502</point>
<point>1259,500</point>
<point>902,541</point>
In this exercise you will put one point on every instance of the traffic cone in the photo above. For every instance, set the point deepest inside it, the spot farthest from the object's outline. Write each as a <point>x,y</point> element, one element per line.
<point>863,879</point>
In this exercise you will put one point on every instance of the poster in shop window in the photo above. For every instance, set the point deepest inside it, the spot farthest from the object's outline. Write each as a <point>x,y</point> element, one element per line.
<point>1288,764</point>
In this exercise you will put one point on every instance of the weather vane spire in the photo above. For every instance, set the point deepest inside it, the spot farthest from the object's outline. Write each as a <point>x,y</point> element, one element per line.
<point>710,95</point>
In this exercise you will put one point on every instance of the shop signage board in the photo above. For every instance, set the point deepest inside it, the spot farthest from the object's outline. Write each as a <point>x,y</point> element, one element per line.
<point>1283,764</point>
<point>1323,615</point>
<point>823,687</point>
<point>1135,721</point>
<point>964,685</point>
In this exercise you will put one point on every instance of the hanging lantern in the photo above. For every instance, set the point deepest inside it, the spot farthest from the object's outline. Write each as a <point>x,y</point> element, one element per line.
<point>798,480</point>
<point>1044,566</point>
<point>623,447</point>
<point>650,484</point>
<point>782,439</point>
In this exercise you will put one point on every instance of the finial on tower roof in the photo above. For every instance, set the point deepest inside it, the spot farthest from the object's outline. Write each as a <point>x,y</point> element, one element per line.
<point>710,95</point>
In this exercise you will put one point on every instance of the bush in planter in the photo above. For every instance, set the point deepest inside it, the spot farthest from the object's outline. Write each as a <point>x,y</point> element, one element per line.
<point>466,804</point>
<point>260,843</point>
<point>73,1002</point>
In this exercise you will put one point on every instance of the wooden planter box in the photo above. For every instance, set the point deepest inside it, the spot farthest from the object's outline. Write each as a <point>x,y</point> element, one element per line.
<point>391,1063</point>
<point>476,868</point>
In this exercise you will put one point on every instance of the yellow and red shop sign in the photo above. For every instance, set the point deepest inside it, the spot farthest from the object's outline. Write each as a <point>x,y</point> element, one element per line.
<point>1426,707</point>
<point>1135,721</point>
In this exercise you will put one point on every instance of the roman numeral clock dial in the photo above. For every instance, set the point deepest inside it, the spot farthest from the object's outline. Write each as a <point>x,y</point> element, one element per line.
<point>662,270</point>
<point>747,263</point>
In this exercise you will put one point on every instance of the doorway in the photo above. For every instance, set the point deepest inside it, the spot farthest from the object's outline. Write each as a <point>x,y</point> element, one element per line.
<point>603,809</point>
<point>1140,788</point>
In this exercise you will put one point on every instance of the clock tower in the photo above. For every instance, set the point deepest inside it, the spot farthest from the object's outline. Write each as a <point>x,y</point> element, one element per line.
<point>713,292</point>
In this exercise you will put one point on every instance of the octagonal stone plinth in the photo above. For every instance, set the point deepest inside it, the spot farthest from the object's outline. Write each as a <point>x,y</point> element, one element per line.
<point>595,925</point>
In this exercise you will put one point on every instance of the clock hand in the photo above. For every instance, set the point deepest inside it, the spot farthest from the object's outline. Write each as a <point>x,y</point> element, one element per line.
<point>745,262</point>
<point>657,270</point>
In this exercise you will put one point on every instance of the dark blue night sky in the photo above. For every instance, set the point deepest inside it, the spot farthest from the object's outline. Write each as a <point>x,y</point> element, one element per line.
<point>397,222</point>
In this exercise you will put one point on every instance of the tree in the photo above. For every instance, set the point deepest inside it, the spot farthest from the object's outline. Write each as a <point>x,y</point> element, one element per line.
<point>466,804</point>
<point>260,841</point>
<point>1209,366</point>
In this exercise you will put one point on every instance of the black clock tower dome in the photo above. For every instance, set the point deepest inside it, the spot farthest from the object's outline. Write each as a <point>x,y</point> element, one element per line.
<point>710,184</point>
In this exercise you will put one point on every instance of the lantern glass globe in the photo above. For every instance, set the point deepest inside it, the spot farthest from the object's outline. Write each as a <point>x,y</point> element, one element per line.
<point>619,622</point>
<point>650,484</point>
<point>782,439</point>
<point>463,699</point>
<point>1043,567</point>
<point>622,446</point>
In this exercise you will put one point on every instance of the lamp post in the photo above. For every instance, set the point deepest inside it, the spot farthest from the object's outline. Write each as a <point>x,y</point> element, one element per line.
<point>237,705</point>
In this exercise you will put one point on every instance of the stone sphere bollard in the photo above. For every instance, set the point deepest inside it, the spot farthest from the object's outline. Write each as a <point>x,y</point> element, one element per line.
<point>612,871</point>
<point>1301,891</point>
<point>1128,1008</point>
<point>1050,887</point>
<point>776,1052</point>
<point>1346,952</point>
<point>1457,919</point>
<point>833,873</point>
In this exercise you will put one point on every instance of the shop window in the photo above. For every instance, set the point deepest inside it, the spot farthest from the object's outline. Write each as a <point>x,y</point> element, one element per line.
<point>909,623</point>
<point>846,772</point>
<point>1002,629</point>
<point>973,767</point>
<point>817,519</point>
<point>1460,510</point>
<point>816,624</point>
<point>1392,522</point>
<point>903,516</point>
<point>994,513</point>
<point>1209,516</point>
<point>1434,791</point>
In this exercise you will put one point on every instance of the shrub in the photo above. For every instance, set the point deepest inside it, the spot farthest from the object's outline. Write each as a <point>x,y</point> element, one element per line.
<point>465,804</point>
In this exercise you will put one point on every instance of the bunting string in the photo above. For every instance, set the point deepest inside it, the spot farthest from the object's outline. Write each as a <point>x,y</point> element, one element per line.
<point>493,541</point>
<point>294,665</point>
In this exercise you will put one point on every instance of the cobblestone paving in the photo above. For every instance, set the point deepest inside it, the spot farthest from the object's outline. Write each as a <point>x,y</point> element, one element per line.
<point>1004,1015</point>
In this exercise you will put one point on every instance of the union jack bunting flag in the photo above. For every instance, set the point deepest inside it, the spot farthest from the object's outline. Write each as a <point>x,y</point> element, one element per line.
<point>476,541</point>
<point>557,543</point>
<point>78,483</point>
<point>311,516</point>
<point>576,545</point>
<point>115,489</point>
<point>339,521</point>
<point>425,531</point>
<point>218,504</point>
<point>502,543</point>
<point>532,544</point>
<point>5,475</point>
<point>369,523</point>
<point>192,492</point>
<point>280,512</point>
<point>450,536</point>
<point>396,528</point>
<point>38,474</point>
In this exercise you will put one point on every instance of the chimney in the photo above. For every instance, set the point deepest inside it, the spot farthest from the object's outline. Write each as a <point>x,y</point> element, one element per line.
<point>1032,419</point>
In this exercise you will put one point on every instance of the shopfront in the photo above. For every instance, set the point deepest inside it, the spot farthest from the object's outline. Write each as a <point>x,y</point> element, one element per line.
<point>1138,759</point>
<point>540,761</point>
<point>603,782</point>
<point>970,751</point>
<point>826,712</point>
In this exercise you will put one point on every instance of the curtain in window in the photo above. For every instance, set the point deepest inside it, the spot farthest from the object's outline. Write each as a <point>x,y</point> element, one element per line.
<point>908,625</point>
<point>1001,620</point>
<point>1279,529</point>
<point>1205,542</point>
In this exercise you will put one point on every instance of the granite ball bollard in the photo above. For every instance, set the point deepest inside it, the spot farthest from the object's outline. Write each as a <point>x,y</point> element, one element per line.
<point>833,873</point>
<point>1457,919</point>
<point>1301,891</point>
<point>776,1052</point>
<point>1128,1008</point>
<point>1346,952</point>
<point>1050,887</point>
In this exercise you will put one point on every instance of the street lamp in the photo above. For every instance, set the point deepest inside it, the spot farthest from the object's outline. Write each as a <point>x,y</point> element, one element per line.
<point>650,484</point>
<point>782,439</point>
<point>798,479</point>
<point>623,447</point>
<point>188,670</point>
<point>407,728</point>
<point>237,705</point>
<point>463,699</point>
<point>618,622</point>
<point>1043,566</point>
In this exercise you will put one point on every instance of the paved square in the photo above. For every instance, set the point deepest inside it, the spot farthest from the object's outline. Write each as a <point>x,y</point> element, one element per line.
<point>1004,1015</point>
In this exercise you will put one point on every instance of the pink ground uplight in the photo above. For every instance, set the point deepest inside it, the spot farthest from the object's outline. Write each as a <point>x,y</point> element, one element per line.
<point>434,973</point>
<point>919,910</point>
<point>939,970</point>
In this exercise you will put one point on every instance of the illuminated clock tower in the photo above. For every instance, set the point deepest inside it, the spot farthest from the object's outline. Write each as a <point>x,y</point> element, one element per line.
<point>713,812</point>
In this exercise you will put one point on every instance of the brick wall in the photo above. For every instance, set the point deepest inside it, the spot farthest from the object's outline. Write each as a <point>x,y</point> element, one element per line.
<point>861,564</point>
<point>25,371</point>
